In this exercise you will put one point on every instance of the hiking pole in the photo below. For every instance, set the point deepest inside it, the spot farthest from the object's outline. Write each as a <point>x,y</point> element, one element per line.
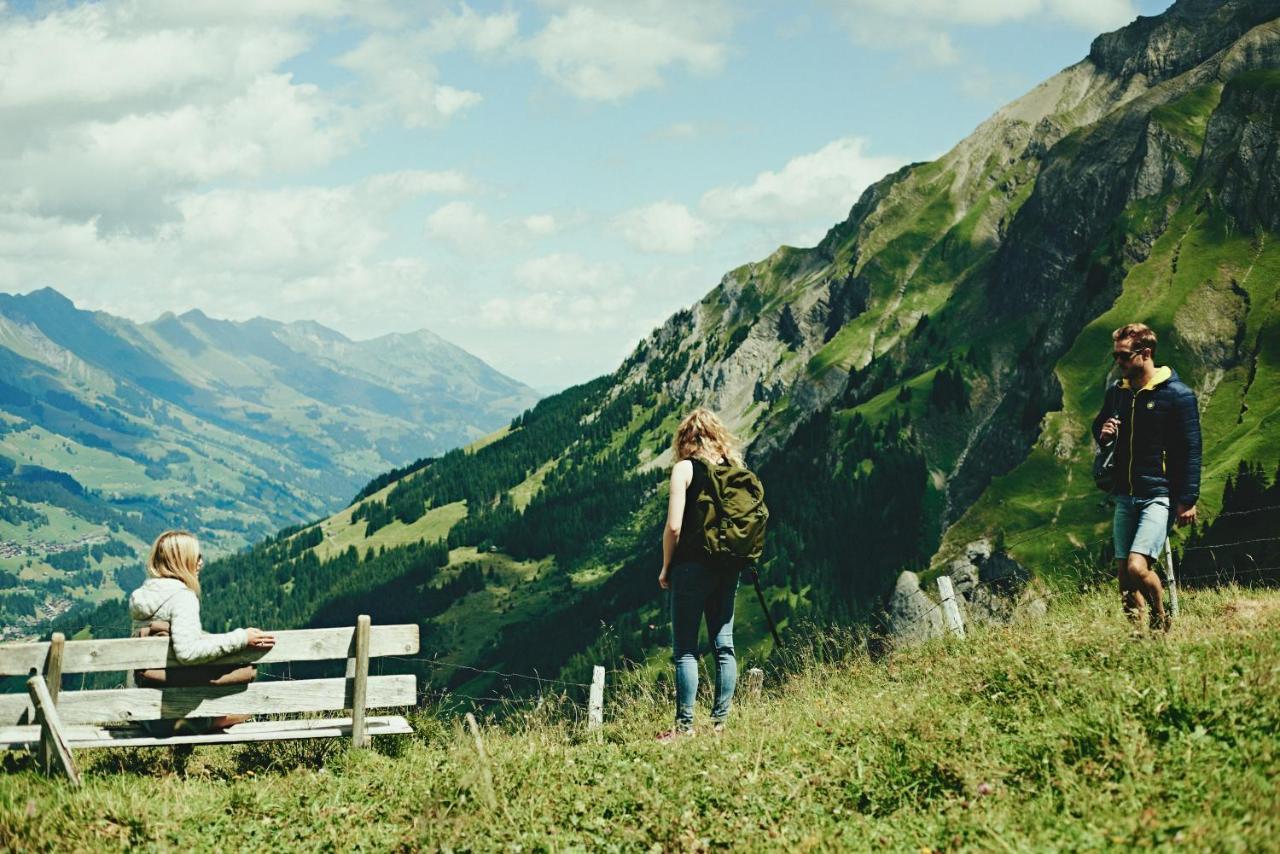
<point>1170,580</point>
<point>764,606</point>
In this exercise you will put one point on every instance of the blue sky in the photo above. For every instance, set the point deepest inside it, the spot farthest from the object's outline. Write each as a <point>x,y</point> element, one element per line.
<point>541,183</point>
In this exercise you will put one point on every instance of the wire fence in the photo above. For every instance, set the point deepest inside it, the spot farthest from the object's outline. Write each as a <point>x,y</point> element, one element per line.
<point>1242,568</point>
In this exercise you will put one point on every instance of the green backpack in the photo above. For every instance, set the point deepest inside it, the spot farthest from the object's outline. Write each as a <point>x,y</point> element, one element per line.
<point>732,513</point>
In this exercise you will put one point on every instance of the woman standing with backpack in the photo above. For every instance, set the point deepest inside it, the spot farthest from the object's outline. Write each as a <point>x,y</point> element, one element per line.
<point>701,585</point>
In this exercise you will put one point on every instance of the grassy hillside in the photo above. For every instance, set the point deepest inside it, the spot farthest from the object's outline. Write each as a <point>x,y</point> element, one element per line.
<point>1063,733</point>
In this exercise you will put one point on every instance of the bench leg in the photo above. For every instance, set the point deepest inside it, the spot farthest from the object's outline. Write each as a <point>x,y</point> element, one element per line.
<point>51,732</point>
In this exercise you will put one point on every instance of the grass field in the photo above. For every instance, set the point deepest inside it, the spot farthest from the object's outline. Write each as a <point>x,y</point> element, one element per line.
<point>1063,733</point>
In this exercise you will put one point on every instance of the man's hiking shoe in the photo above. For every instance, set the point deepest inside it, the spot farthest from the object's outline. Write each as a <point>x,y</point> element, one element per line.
<point>675,734</point>
<point>718,727</point>
<point>1160,622</point>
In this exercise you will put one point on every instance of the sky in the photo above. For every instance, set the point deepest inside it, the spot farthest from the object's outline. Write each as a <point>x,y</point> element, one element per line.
<point>541,183</point>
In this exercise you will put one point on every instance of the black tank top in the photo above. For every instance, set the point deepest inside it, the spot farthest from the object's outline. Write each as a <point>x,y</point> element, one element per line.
<point>690,546</point>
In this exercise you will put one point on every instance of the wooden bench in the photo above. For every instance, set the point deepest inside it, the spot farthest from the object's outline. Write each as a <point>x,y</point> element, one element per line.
<point>58,722</point>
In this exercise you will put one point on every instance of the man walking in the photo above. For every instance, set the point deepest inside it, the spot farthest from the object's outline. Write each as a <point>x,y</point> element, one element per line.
<point>1153,418</point>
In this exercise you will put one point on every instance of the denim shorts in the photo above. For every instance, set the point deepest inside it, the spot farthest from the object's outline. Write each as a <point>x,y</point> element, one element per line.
<point>1141,525</point>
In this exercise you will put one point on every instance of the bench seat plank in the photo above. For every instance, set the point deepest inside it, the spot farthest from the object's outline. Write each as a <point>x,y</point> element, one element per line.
<point>257,698</point>
<point>83,737</point>
<point>118,654</point>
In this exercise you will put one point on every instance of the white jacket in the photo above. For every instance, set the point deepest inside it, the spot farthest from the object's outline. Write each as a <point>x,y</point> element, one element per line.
<point>170,600</point>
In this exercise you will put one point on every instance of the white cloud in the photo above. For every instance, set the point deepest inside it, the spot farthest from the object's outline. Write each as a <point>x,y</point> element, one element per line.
<point>406,184</point>
<point>566,293</point>
<point>557,312</point>
<point>403,80</point>
<point>285,232</point>
<point>120,59</point>
<point>397,67</point>
<point>471,231</point>
<point>355,296</point>
<point>677,130</point>
<point>823,184</point>
<point>607,51</point>
<point>210,12</point>
<point>1083,13</point>
<point>478,33</point>
<point>463,225</point>
<point>299,230</point>
<point>922,28</point>
<point>128,170</point>
<point>540,225</point>
<point>232,252</point>
<point>563,272</point>
<point>663,227</point>
<point>149,110</point>
<point>1094,15</point>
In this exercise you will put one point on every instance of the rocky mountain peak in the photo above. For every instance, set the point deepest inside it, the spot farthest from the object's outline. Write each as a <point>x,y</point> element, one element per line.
<point>1189,33</point>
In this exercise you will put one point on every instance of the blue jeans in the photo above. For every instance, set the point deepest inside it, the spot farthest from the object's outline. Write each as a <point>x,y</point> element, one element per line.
<point>698,590</point>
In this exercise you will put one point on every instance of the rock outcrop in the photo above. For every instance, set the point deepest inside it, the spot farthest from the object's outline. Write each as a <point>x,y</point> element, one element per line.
<point>912,616</point>
<point>993,587</point>
<point>990,587</point>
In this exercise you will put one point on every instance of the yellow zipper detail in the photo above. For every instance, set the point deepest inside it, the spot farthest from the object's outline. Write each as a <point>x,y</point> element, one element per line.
<point>1133,425</point>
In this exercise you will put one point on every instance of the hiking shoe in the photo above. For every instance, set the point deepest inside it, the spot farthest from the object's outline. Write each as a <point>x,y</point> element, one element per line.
<point>718,727</point>
<point>675,734</point>
<point>1160,622</point>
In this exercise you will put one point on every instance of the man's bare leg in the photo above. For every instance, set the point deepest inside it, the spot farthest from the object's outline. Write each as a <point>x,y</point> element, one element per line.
<point>1147,583</point>
<point>1130,598</point>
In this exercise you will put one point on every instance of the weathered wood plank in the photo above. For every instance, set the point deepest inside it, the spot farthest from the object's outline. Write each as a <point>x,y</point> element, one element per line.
<point>89,656</point>
<point>51,732</point>
<point>257,698</point>
<point>360,686</point>
<point>84,737</point>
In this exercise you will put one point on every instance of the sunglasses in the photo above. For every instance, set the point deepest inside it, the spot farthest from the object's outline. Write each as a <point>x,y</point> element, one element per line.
<point>1124,355</point>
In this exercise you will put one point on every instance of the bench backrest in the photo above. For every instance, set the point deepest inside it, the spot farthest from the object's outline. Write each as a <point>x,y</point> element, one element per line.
<point>260,697</point>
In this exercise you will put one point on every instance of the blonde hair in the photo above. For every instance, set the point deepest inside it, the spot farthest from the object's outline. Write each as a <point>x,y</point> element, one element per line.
<point>701,434</point>
<point>176,554</point>
<point>1141,336</point>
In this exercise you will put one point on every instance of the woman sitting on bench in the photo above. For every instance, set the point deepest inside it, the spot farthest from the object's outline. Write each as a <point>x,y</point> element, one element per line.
<point>168,603</point>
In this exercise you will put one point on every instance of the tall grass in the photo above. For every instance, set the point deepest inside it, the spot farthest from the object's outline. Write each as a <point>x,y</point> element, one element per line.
<point>1061,733</point>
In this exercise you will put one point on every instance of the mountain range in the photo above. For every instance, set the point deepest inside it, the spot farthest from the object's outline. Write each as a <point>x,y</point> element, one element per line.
<point>921,379</point>
<point>111,431</point>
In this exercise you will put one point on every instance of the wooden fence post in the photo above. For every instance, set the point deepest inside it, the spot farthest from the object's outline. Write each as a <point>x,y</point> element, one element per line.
<point>595,704</point>
<point>1170,581</point>
<point>360,687</point>
<point>53,683</point>
<point>755,683</point>
<point>950,611</point>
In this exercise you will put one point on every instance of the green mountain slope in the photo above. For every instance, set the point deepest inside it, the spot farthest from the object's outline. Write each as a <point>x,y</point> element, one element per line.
<point>111,431</point>
<point>921,378</point>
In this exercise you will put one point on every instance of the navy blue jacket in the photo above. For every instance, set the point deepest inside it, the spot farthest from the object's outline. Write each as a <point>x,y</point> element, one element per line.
<point>1158,446</point>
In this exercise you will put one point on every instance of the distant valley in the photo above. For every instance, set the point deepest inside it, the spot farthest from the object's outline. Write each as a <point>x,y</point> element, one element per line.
<point>111,431</point>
